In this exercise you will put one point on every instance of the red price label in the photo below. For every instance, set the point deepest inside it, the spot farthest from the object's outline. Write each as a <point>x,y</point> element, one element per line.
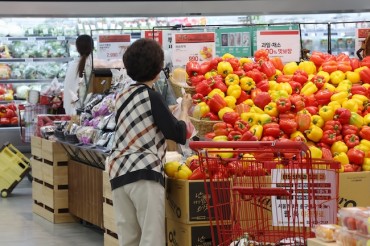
<point>193,58</point>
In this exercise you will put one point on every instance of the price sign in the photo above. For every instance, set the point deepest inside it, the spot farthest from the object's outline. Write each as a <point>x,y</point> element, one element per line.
<point>361,35</point>
<point>284,44</point>
<point>193,47</point>
<point>156,35</point>
<point>112,46</point>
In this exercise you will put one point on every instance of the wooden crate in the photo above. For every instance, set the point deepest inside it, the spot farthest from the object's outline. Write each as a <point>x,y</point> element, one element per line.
<point>108,216</point>
<point>107,189</point>
<point>53,151</point>
<point>51,201</point>
<point>36,146</point>
<point>110,238</point>
<point>54,173</point>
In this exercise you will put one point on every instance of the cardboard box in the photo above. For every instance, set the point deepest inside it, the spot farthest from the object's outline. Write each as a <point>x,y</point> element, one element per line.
<point>186,201</point>
<point>354,189</point>
<point>180,234</point>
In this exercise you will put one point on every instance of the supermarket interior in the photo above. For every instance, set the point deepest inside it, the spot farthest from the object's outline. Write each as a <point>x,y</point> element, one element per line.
<point>277,148</point>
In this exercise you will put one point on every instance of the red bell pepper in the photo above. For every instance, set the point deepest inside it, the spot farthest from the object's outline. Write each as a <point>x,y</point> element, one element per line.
<point>230,117</point>
<point>342,57</point>
<point>330,66</point>
<point>261,54</point>
<point>205,67</point>
<point>288,126</point>
<point>262,99</point>
<point>256,75</point>
<point>240,72</point>
<point>300,76</point>
<point>349,129</point>
<point>210,116</point>
<point>277,62</point>
<point>318,58</point>
<point>241,126</point>
<point>359,89</point>
<point>365,132</point>
<point>214,62</point>
<point>297,102</point>
<point>319,81</point>
<point>243,96</point>
<point>263,85</point>
<point>326,154</point>
<point>203,88</point>
<point>323,96</point>
<point>366,62</point>
<point>356,156</point>
<point>220,128</point>
<point>312,110</point>
<point>344,66</point>
<point>248,66</point>
<point>284,78</point>
<point>365,75</point>
<point>254,93</point>
<point>210,135</point>
<point>283,105</point>
<point>234,62</point>
<point>310,101</point>
<point>216,103</point>
<point>196,79</point>
<point>296,87</point>
<point>323,145</point>
<point>342,115</point>
<point>197,174</point>
<point>267,67</point>
<point>197,98</point>
<point>271,130</point>
<point>234,136</point>
<point>355,63</point>
<point>333,125</point>
<point>268,138</point>
<point>303,122</point>
<point>351,140</point>
<point>242,108</point>
<point>220,85</point>
<point>329,137</point>
<point>192,68</point>
<point>248,136</point>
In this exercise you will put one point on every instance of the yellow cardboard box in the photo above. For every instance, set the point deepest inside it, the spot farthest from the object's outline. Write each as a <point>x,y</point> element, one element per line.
<point>354,189</point>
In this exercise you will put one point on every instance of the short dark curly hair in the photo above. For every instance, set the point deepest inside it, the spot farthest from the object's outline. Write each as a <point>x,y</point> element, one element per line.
<point>143,60</point>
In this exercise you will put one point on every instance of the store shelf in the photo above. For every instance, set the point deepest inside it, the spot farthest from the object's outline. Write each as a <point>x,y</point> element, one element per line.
<point>57,59</point>
<point>38,38</point>
<point>25,81</point>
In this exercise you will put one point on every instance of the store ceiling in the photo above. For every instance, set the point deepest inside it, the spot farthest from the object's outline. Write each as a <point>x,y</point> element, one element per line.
<point>176,8</point>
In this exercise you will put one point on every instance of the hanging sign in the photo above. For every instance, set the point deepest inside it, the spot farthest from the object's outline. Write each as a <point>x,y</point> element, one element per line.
<point>112,46</point>
<point>236,41</point>
<point>284,44</point>
<point>198,47</point>
<point>156,35</point>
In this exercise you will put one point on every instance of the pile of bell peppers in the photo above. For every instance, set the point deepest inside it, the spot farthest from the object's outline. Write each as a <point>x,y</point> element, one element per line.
<point>323,101</point>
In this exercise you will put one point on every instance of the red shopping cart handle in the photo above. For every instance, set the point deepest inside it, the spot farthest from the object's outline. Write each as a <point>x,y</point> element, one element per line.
<point>250,145</point>
<point>263,191</point>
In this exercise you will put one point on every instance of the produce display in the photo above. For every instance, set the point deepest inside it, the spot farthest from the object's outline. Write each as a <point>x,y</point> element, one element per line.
<point>323,102</point>
<point>8,115</point>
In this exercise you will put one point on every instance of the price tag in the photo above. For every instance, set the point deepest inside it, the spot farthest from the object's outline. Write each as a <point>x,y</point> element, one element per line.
<point>113,46</point>
<point>193,47</point>
<point>28,60</point>
<point>158,35</point>
<point>284,44</point>
<point>61,38</point>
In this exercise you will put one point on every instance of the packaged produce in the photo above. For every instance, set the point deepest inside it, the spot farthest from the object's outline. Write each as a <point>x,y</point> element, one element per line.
<point>348,215</point>
<point>363,222</point>
<point>326,233</point>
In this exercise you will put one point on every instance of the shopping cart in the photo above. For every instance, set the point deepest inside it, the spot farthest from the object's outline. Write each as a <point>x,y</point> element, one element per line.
<point>273,193</point>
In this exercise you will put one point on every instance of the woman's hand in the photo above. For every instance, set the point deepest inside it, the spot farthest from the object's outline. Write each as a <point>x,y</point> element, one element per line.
<point>186,102</point>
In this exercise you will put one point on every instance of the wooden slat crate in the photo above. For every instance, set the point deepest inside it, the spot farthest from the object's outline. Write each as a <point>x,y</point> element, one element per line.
<point>108,216</point>
<point>107,190</point>
<point>110,238</point>
<point>36,146</point>
<point>53,151</point>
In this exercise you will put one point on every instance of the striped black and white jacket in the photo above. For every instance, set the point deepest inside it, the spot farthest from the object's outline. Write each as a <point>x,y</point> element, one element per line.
<point>143,123</point>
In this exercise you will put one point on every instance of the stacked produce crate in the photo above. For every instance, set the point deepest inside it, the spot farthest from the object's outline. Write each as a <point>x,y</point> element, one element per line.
<point>50,180</point>
<point>110,235</point>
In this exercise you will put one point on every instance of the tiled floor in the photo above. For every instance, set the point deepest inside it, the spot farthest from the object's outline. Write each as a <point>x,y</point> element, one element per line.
<point>20,227</point>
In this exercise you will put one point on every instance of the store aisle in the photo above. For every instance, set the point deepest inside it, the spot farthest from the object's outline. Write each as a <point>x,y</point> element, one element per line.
<point>20,227</point>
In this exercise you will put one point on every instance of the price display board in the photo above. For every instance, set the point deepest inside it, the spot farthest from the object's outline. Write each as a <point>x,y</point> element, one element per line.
<point>284,44</point>
<point>156,35</point>
<point>112,46</point>
<point>198,47</point>
<point>236,41</point>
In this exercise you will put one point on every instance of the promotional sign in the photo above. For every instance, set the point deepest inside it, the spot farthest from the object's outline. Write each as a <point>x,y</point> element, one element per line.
<point>361,35</point>
<point>236,41</point>
<point>156,35</point>
<point>198,47</point>
<point>284,44</point>
<point>315,188</point>
<point>112,46</point>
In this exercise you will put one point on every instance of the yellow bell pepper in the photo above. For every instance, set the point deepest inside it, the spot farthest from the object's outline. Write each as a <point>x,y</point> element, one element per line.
<point>234,90</point>
<point>232,79</point>
<point>338,147</point>
<point>351,105</point>
<point>216,91</point>
<point>345,82</point>
<point>337,76</point>
<point>309,89</point>
<point>342,158</point>
<point>367,120</point>
<point>263,119</point>
<point>362,147</point>
<point>286,87</point>
<point>326,75</point>
<point>223,111</point>
<point>366,143</point>
<point>277,73</point>
<point>257,130</point>
<point>230,101</point>
<point>220,138</point>
<point>249,102</point>
<point>315,152</point>
<point>244,60</point>
<point>361,98</point>
<point>276,94</point>
<point>251,118</point>
<point>356,120</point>
<point>335,105</point>
<point>341,88</point>
<point>273,85</point>
<point>247,83</point>
<point>366,164</point>
<point>314,133</point>
<point>225,155</point>
<point>308,66</point>
<point>290,68</point>
<point>255,109</point>
<point>271,109</point>
<point>227,55</point>
<point>366,85</point>
<point>326,113</point>
<point>358,70</point>
<point>200,110</point>
<point>298,134</point>
<point>317,121</point>
<point>210,74</point>
<point>354,77</point>
<point>329,87</point>
<point>224,68</point>
<point>340,96</point>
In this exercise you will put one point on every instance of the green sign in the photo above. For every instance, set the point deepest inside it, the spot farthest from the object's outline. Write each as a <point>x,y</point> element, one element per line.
<point>236,41</point>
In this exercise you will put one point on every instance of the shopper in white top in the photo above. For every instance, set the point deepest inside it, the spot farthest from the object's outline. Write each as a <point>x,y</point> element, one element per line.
<point>78,75</point>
